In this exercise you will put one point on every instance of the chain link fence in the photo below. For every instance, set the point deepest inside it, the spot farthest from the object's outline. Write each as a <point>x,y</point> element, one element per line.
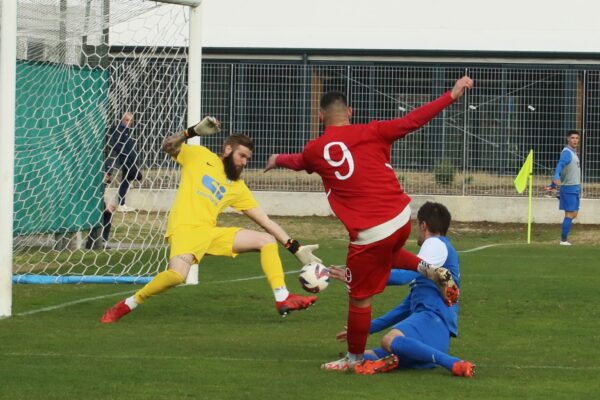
<point>475,147</point>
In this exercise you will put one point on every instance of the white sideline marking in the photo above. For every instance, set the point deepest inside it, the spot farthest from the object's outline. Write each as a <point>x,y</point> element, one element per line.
<point>251,278</point>
<point>88,299</point>
<point>274,360</point>
<point>152,357</point>
<point>487,246</point>
<point>71,303</point>
<point>563,367</point>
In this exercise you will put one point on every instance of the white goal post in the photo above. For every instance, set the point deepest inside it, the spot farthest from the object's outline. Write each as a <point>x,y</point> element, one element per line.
<point>8,35</point>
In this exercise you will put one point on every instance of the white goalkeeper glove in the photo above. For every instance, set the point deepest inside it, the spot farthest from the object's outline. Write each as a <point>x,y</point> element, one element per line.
<point>304,254</point>
<point>208,126</point>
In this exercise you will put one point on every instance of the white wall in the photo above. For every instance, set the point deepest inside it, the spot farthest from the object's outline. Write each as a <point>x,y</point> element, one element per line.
<point>466,209</point>
<point>508,25</point>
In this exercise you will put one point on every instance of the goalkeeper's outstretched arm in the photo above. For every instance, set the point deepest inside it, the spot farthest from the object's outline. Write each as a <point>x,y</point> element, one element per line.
<point>304,253</point>
<point>208,126</point>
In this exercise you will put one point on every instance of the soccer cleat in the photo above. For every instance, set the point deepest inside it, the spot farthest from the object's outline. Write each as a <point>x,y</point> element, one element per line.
<point>115,313</point>
<point>342,365</point>
<point>565,243</point>
<point>445,283</point>
<point>294,302</point>
<point>370,367</point>
<point>463,368</point>
<point>452,293</point>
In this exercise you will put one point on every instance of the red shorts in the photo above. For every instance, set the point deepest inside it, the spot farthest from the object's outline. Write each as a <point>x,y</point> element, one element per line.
<point>368,266</point>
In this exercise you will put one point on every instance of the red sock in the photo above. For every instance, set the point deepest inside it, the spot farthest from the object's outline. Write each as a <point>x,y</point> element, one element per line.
<point>359,323</point>
<point>404,259</point>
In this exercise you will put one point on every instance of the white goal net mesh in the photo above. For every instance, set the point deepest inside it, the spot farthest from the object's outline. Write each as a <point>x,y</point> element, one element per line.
<point>80,64</point>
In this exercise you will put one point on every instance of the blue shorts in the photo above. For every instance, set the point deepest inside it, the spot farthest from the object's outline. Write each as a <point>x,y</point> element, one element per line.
<point>569,201</point>
<point>428,328</point>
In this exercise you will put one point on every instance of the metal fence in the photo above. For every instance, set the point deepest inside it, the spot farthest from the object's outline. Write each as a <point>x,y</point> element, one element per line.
<point>475,147</point>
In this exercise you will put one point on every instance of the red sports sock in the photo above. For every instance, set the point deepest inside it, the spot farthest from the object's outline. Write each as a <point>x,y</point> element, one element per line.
<point>359,323</point>
<point>404,259</point>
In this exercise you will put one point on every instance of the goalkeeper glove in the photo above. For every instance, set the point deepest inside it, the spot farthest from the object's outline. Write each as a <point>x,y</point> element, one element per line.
<point>303,253</point>
<point>442,279</point>
<point>208,126</point>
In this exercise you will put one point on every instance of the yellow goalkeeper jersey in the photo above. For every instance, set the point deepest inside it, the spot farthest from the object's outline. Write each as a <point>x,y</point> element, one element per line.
<point>205,191</point>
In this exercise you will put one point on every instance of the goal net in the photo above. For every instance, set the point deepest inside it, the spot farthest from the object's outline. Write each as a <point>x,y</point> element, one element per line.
<point>82,65</point>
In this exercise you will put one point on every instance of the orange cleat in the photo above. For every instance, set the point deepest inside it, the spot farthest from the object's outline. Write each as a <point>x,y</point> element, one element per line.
<point>370,367</point>
<point>463,368</point>
<point>115,313</point>
<point>294,302</point>
<point>445,283</point>
<point>452,293</point>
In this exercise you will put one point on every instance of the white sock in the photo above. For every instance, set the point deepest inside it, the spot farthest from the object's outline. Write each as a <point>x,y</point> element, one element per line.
<point>281,293</point>
<point>355,357</point>
<point>130,301</point>
<point>423,267</point>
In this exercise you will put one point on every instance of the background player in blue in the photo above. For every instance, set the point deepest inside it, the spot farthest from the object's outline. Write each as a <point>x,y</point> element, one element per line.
<point>422,323</point>
<point>567,175</point>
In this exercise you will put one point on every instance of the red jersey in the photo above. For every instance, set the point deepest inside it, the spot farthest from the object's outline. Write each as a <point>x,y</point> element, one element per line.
<point>354,164</point>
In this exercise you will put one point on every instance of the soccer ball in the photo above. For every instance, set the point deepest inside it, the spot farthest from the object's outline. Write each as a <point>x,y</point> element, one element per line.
<point>314,277</point>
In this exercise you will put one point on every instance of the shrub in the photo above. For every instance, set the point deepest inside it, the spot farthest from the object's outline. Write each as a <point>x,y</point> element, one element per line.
<point>444,172</point>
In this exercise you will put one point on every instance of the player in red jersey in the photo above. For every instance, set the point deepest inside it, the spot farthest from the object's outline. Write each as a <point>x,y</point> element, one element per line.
<point>364,193</point>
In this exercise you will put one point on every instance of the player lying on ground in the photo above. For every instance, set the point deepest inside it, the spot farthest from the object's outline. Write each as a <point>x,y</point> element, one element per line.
<point>422,324</point>
<point>353,162</point>
<point>209,184</point>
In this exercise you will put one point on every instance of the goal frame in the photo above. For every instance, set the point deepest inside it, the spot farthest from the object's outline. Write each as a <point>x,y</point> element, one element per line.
<point>8,61</point>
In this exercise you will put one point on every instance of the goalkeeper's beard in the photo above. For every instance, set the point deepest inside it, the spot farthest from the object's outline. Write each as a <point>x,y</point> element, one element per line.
<point>232,171</point>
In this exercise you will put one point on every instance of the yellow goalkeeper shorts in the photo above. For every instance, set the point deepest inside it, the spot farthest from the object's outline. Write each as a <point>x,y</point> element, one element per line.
<point>203,240</point>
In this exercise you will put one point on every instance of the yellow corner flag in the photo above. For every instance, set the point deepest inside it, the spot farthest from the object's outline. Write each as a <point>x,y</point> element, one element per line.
<point>524,173</point>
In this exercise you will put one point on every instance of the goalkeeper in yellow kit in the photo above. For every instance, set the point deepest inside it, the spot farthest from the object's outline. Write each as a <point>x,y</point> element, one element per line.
<point>209,184</point>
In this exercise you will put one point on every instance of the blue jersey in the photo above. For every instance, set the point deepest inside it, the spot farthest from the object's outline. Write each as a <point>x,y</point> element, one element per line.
<point>424,294</point>
<point>568,171</point>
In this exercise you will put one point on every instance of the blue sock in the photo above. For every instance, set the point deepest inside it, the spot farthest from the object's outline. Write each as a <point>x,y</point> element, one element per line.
<point>566,228</point>
<point>418,351</point>
<point>380,353</point>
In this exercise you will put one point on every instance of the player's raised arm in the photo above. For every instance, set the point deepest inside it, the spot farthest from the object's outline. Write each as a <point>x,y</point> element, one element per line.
<point>208,126</point>
<point>290,161</point>
<point>459,87</point>
<point>397,128</point>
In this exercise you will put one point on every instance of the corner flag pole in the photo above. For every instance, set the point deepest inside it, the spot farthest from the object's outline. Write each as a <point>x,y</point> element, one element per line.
<point>526,173</point>
<point>530,213</point>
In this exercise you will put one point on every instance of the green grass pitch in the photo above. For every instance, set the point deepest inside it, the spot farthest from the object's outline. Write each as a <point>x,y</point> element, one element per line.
<point>529,320</point>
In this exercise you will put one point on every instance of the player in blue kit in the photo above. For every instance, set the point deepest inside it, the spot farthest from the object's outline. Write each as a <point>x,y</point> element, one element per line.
<point>422,324</point>
<point>567,175</point>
